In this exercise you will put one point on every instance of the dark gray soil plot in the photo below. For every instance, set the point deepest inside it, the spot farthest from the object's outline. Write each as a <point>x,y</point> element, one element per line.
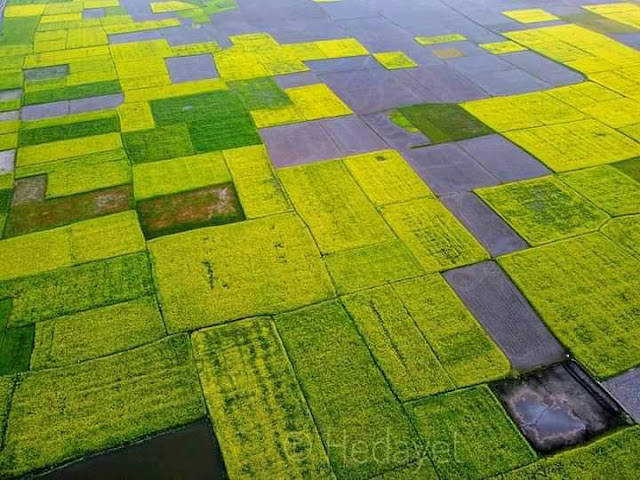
<point>506,315</point>
<point>395,136</point>
<point>558,407</point>
<point>498,237</point>
<point>189,453</point>
<point>625,389</point>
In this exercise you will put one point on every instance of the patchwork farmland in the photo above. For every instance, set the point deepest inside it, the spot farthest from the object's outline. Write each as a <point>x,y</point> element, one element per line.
<point>342,239</point>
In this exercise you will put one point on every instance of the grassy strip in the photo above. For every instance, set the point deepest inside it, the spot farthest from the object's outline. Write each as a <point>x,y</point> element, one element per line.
<point>352,404</point>
<point>469,435</point>
<point>329,200</point>
<point>60,414</point>
<point>72,92</point>
<point>614,456</point>
<point>96,333</point>
<point>260,416</point>
<point>54,133</point>
<point>71,290</point>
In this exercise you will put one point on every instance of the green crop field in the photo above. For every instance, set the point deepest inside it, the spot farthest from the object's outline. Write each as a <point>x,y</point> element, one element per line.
<point>309,239</point>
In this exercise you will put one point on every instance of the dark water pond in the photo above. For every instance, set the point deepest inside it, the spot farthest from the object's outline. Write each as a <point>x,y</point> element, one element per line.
<point>559,407</point>
<point>191,453</point>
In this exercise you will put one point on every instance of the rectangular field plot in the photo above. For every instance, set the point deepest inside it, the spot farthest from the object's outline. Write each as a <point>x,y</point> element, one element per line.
<point>433,234</point>
<point>467,353</point>
<point>96,333</point>
<point>215,274</point>
<point>587,291</point>
<point>469,434</point>
<point>371,266</point>
<point>60,414</point>
<point>607,187</point>
<point>259,414</point>
<point>78,288</point>
<point>625,232</point>
<point>543,210</point>
<point>348,396</point>
<point>329,200</point>
<point>399,347</point>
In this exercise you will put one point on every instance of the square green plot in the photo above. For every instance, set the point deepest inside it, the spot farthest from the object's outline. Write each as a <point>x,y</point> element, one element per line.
<point>570,146</point>
<point>433,235</point>
<point>587,291</point>
<point>261,418</point>
<point>96,333</point>
<point>159,143</point>
<point>154,179</point>
<point>224,133</point>
<point>349,397</point>
<point>625,232</point>
<point>371,266</point>
<point>60,414</point>
<point>260,93</point>
<point>469,435</point>
<point>403,353</point>
<point>215,274</point>
<point>607,187</point>
<point>221,104</point>
<point>442,122</point>
<point>465,350</point>
<point>333,206</point>
<point>543,210</point>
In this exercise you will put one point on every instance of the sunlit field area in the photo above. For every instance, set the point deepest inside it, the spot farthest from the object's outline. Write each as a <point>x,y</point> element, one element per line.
<point>309,239</point>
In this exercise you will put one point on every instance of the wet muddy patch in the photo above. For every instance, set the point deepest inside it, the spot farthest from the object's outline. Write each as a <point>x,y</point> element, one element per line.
<point>216,205</point>
<point>31,212</point>
<point>559,407</point>
<point>191,452</point>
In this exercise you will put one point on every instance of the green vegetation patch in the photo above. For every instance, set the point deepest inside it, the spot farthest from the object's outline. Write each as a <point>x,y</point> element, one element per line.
<point>607,187</point>
<point>614,456</point>
<point>462,346</point>
<point>433,235</point>
<point>6,391</point>
<point>182,174</point>
<point>329,200</point>
<point>263,266</point>
<point>403,353</point>
<point>444,122</point>
<point>96,333</point>
<point>35,133</point>
<point>180,212</point>
<point>220,104</point>
<point>386,177</point>
<point>158,143</point>
<point>223,133</point>
<point>630,167</point>
<point>625,232</point>
<point>260,93</point>
<point>259,414</point>
<point>64,413</point>
<point>371,266</point>
<point>72,92</point>
<point>78,288</point>
<point>469,434</point>
<point>544,209</point>
<point>349,397</point>
<point>259,189</point>
<point>587,291</point>
<point>16,345</point>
